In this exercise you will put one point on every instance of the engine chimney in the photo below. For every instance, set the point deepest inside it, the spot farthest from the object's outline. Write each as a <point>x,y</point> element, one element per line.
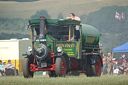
<point>42,27</point>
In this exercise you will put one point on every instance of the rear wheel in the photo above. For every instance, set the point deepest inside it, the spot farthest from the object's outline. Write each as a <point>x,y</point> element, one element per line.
<point>93,69</point>
<point>60,66</point>
<point>96,68</point>
<point>51,73</point>
<point>26,69</point>
<point>88,66</point>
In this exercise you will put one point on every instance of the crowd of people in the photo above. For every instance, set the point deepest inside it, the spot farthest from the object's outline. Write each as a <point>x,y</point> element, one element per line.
<point>7,69</point>
<point>114,66</point>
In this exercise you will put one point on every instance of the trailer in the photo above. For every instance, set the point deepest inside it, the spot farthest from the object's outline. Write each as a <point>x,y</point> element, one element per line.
<point>12,50</point>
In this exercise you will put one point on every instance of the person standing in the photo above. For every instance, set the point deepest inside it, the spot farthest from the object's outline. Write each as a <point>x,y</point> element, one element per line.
<point>104,64</point>
<point>110,64</point>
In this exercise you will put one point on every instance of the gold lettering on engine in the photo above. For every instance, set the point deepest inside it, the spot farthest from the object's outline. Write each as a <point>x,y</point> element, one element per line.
<point>59,45</point>
<point>65,45</point>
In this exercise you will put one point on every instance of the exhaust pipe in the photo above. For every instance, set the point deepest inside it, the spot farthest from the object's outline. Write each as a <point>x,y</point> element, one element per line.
<point>42,27</point>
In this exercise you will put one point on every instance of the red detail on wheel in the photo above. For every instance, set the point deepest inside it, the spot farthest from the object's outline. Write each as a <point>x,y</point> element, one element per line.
<point>63,67</point>
<point>60,66</point>
<point>98,66</point>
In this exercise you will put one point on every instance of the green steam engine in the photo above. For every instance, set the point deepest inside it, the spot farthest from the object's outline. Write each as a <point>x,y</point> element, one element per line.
<point>62,46</point>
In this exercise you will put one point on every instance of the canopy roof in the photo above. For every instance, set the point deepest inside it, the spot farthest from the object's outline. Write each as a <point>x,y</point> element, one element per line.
<point>54,22</point>
<point>122,48</point>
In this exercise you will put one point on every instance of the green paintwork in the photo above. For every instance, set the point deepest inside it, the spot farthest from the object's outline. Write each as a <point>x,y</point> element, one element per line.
<point>68,47</point>
<point>49,41</point>
<point>90,35</point>
<point>55,22</point>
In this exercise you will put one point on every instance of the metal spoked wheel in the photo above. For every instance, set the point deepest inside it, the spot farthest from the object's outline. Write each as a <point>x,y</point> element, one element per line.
<point>60,66</point>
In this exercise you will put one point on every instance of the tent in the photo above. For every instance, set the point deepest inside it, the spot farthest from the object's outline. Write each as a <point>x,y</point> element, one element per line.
<point>122,48</point>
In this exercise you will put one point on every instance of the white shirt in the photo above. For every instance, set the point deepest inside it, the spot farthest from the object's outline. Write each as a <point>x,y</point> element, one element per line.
<point>77,17</point>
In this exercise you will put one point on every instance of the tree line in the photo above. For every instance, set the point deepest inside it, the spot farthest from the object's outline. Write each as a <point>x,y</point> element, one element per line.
<point>12,24</point>
<point>4,36</point>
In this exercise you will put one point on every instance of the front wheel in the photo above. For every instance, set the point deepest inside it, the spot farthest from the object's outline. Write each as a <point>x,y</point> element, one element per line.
<point>26,69</point>
<point>60,66</point>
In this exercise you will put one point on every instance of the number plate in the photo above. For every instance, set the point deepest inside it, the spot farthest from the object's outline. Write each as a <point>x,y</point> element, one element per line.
<point>44,64</point>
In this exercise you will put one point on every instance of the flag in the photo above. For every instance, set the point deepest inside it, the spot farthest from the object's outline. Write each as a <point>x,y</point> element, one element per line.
<point>123,16</point>
<point>117,16</point>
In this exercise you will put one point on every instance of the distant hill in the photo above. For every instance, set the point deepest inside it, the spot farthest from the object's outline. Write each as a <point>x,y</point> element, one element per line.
<point>79,7</point>
<point>20,0</point>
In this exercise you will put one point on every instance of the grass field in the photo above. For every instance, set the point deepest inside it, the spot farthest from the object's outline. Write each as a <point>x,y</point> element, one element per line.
<point>68,80</point>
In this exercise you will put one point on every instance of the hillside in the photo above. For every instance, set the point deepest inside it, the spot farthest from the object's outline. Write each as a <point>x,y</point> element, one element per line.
<point>12,9</point>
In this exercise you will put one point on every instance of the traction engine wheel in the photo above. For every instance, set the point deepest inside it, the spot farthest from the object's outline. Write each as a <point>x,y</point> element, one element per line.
<point>60,66</point>
<point>51,73</point>
<point>26,69</point>
<point>93,69</point>
<point>96,68</point>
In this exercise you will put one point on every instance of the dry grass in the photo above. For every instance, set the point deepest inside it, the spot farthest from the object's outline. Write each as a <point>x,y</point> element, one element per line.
<point>68,80</point>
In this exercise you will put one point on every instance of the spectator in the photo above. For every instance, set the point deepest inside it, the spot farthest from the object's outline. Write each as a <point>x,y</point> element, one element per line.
<point>127,69</point>
<point>104,64</point>
<point>10,69</point>
<point>116,68</point>
<point>4,64</point>
<point>122,57</point>
<point>110,64</point>
<point>124,64</point>
<point>1,68</point>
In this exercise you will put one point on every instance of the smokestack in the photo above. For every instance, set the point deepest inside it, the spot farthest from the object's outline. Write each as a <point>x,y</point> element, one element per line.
<point>42,26</point>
